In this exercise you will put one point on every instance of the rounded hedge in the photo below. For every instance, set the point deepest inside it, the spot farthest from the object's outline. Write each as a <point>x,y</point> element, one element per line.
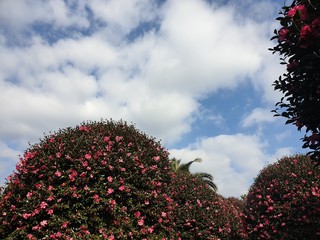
<point>99,180</point>
<point>284,200</point>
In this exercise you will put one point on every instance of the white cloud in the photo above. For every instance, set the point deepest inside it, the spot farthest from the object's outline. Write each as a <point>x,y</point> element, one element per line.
<point>258,116</point>
<point>155,80</point>
<point>233,160</point>
<point>199,49</point>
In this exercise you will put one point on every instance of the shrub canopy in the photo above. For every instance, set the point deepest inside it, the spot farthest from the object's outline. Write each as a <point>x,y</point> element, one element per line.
<point>97,180</point>
<point>284,201</point>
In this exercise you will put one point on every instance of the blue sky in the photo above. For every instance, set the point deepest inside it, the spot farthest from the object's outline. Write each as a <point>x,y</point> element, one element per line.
<point>194,74</point>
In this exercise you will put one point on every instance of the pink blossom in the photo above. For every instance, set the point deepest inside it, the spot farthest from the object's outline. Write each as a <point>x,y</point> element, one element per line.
<point>156,158</point>
<point>302,11</point>
<point>36,227</point>
<point>26,215</point>
<point>88,156</point>
<point>110,190</point>
<point>64,224</point>
<point>110,179</point>
<point>118,138</point>
<point>58,174</point>
<point>30,236</point>
<point>43,205</point>
<point>137,214</point>
<point>84,128</point>
<point>29,194</point>
<point>106,139</point>
<point>50,211</point>
<point>96,198</point>
<point>283,32</point>
<point>58,155</point>
<point>121,188</point>
<point>140,222</point>
<point>43,223</point>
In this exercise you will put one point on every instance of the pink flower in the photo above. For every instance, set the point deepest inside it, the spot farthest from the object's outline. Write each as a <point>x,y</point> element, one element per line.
<point>96,198</point>
<point>118,138</point>
<point>29,194</point>
<point>26,215</point>
<point>43,205</point>
<point>88,156</point>
<point>43,223</point>
<point>30,236</point>
<point>302,11</point>
<point>106,139</point>
<point>58,154</point>
<point>58,174</point>
<point>50,211</point>
<point>110,190</point>
<point>64,224</point>
<point>84,128</point>
<point>137,214</point>
<point>156,158</point>
<point>110,179</point>
<point>283,32</point>
<point>140,222</point>
<point>121,188</point>
<point>35,227</point>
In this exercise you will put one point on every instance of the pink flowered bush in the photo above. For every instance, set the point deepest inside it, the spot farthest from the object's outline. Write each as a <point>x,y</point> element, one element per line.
<point>100,180</point>
<point>107,180</point>
<point>200,213</point>
<point>284,201</point>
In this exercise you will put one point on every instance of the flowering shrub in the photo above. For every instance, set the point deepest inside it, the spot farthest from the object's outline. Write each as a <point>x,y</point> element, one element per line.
<point>100,180</point>
<point>200,213</point>
<point>284,201</point>
<point>299,45</point>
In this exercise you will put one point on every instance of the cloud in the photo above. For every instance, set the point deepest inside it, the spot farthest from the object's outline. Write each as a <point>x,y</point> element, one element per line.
<point>84,66</point>
<point>258,116</point>
<point>233,160</point>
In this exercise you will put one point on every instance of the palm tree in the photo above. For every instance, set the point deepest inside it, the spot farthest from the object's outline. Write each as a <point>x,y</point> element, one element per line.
<point>179,167</point>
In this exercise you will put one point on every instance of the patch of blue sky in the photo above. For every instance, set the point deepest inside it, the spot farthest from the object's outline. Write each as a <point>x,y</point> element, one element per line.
<point>141,29</point>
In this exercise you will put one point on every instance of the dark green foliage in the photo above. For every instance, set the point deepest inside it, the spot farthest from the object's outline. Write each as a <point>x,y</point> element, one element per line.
<point>299,45</point>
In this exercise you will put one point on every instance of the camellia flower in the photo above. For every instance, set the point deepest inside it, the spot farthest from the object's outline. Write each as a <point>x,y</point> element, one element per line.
<point>283,32</point>
<point>140,222</point>
<point>43,223</point>
<point>301,10</point>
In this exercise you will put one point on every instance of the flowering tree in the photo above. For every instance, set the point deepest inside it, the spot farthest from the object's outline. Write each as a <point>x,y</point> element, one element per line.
<point>100,180</point>
<point>299,45</point>
<point>284,201</point>
<point>107,180</point>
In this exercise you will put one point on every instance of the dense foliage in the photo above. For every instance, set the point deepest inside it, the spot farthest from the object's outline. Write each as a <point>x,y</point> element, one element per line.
<point>299,46</point>
<point>284,201</point>
<point>98,180</point>
<point>200,213</point>
<point>107,180</point>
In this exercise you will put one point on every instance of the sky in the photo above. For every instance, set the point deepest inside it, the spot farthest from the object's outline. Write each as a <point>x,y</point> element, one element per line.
<point>196,75</point>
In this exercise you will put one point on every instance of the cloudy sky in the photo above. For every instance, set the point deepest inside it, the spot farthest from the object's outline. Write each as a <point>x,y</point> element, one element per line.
<point>194,74</point>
